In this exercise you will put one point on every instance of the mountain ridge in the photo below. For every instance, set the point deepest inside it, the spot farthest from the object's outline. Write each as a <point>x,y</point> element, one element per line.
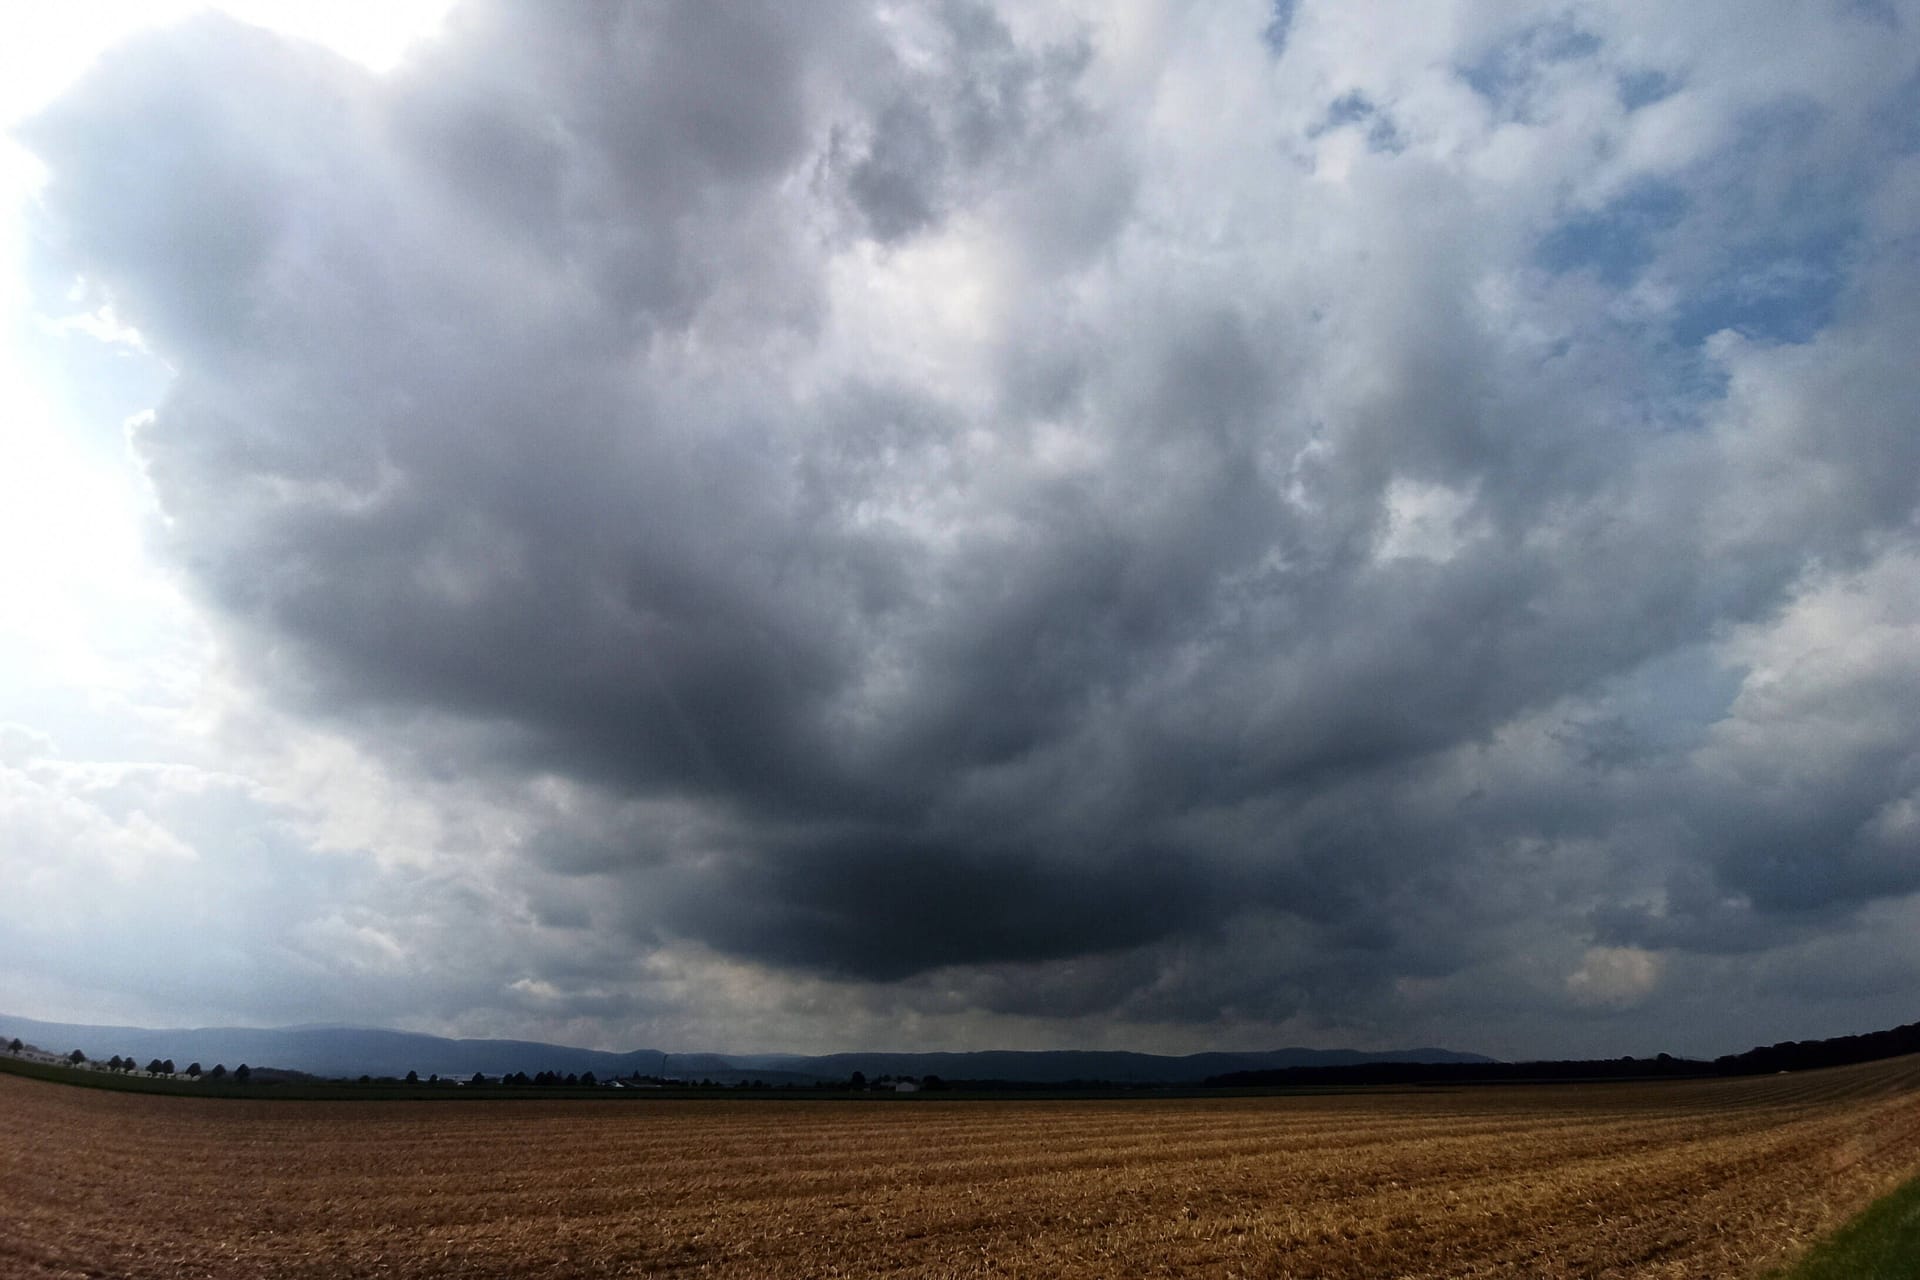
<point>353,1051</point>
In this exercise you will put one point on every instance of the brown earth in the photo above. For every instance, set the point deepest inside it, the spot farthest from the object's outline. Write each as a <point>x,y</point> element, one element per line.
<point>1713,1179</point>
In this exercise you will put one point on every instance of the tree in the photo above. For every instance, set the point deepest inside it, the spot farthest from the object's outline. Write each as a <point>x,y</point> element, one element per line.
<point>16,1046</point>
<point>219,1071</point>
<point>113,1063</point>
<point>241,1073</point>
<point>76,1057</point>
<point>366,1079</point>
<point>166,1066</point>
<point>433,1079</point>
<point>153,1068</point>
<point>858,1082</point>
<point>586,1078</point>
<point>413,1077</point>
<point>478,1079</point>
<point>193,1070</point>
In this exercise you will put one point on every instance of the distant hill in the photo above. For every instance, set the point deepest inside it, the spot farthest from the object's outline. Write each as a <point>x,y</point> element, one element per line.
<point>355,1051</point>
<point>1799,1055</point>
<point>1790,1055</point>
<point>349,1052</point>
<point>339,1051</point>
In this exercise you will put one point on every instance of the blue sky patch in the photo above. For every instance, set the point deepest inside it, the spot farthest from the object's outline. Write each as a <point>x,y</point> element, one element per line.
<point>1774,243</point>
<point>1772,293</point>
<point>1356,109</point>
<point>1349,108</point>
<point>1280,25</point>
<point>1618,241</point>
<point>1504,71</point>
<point>1644,88</point>
<point>1898,121</point>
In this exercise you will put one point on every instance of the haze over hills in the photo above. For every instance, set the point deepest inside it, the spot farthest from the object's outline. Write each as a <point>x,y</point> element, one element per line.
<point>355,1051</point>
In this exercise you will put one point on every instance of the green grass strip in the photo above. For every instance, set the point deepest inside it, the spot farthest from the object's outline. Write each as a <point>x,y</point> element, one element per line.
<point>1883,1243</point>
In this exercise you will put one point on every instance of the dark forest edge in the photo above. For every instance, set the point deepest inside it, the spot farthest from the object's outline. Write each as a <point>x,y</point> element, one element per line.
<point>1788,1055</point>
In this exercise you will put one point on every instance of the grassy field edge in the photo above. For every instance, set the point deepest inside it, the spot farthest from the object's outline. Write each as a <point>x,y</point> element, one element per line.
<point>1882,1243</point>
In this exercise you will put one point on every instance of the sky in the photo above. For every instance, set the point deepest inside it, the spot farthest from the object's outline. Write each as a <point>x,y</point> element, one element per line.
<point>954,525</point>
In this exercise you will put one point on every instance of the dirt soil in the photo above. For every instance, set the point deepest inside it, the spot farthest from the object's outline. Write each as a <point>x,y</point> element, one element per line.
<point>1720,1178</point>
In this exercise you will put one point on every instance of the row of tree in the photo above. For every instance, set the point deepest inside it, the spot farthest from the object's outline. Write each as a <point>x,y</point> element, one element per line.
<point>1789,1055</point>
<point>539,1080</point>
<point>156,1067</point>
<point>1800,1055</point>
<point>515,1080</point>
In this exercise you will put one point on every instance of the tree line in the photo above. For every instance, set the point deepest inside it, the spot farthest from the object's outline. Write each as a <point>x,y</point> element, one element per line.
<point>155,1067</point>
<point>1789,1055</point>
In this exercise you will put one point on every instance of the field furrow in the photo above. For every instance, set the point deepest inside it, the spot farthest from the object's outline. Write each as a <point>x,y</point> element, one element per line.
<point>1684,1179</point>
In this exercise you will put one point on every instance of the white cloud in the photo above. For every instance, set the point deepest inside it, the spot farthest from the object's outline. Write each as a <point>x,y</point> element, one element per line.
<point>1617,977</point>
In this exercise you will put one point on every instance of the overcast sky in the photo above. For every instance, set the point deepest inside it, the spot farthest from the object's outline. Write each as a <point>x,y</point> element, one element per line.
<point>851,526</point>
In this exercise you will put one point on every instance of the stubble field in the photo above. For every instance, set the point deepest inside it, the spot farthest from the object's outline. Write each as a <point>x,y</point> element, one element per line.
<point>1697,1179</point>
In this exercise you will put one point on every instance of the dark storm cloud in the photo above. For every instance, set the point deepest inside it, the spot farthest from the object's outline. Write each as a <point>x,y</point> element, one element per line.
<point>887,906</point>
<point>1237,628</point>
<point>981,106</point>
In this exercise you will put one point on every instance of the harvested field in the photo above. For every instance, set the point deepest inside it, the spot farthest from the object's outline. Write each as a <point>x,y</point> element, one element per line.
<point>1696,1179</point>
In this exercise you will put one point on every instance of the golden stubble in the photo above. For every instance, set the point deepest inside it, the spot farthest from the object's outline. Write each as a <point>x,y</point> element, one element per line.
<point>1692,1179</point>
